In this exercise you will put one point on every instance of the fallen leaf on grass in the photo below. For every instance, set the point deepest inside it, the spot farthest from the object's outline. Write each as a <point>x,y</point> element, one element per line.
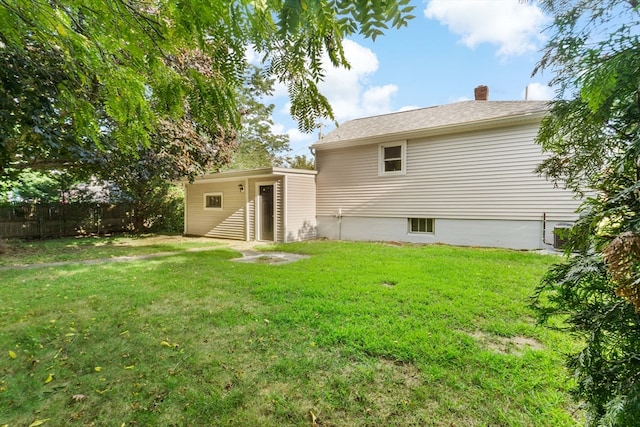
<point>39,422</point>
<point>48,380</point>
<point>98,368</point>
<point>12,354</point>
<point>79,397</point>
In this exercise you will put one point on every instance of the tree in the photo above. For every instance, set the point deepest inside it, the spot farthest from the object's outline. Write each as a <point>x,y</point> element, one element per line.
<point>119,67</point>
<point>146,177</point>
<point>298,162</point>
<point>33,186</point>
<point>257,145</point>
<point>592,135</point>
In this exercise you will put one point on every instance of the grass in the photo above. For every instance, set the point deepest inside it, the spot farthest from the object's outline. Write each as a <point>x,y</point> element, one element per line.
<point>359,334</point>
<point>23,252</point>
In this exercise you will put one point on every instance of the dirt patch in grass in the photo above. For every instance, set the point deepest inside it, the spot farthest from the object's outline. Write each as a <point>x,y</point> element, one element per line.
<point>507,345</point>
<point>269,258</point>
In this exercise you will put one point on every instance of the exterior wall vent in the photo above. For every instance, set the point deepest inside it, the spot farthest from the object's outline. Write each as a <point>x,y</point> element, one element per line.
<point>560,235</point>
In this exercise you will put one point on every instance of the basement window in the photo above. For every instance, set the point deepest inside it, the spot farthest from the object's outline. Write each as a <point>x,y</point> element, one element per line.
<point>392,158</point>
<point>421,225</point>
<point>213,200</point>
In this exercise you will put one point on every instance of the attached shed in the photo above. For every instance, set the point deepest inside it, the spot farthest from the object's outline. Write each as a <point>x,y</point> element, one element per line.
<point>270,204</point>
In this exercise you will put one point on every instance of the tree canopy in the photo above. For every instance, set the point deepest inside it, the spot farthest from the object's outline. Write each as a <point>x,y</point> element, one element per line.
<point>75,70</point>
<point>592,136</point>
<point>257,144</point>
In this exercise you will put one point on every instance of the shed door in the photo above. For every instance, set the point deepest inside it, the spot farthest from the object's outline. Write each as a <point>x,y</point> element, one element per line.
<point>266,212</point>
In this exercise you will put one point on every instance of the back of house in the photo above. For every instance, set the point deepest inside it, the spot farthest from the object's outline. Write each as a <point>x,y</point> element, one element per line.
<point>460,174</point>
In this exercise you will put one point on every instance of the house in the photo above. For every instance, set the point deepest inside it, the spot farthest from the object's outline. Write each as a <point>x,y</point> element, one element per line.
<point>270,204</point>
<point>461,174</point>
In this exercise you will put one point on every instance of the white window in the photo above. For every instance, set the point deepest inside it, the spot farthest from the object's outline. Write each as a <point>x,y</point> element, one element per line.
<point>392,158</point>
<point>213,200</point>
<point>421,225</point>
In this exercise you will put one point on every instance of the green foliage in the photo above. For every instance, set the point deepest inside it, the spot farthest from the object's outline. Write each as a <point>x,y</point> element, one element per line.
<point>593,139</point>
<point>299,162</point>
<point>257,145</point>
<point>73,72</point>
<point>34,186</point>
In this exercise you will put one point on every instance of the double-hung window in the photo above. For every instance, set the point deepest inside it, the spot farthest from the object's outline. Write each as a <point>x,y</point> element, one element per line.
<point>392,158</point>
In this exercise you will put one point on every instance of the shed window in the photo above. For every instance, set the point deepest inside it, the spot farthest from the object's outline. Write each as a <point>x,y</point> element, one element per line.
<point>392,158</point>
<point>213,201</point>
<point>421,225</point>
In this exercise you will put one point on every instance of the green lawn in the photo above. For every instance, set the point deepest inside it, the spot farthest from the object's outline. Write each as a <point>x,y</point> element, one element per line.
<point>24,252</point>
<point>359,334</point>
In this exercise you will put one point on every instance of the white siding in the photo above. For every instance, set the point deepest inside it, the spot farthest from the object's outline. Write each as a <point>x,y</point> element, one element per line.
<point>484,175</point>
<point>279,210</point>
<point>251,210</point>
<point>227,223</point>
<point>301,207</point>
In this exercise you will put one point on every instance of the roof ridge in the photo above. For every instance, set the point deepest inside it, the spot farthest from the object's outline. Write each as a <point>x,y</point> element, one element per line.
<point>462,113</point>
<point>446,105</point>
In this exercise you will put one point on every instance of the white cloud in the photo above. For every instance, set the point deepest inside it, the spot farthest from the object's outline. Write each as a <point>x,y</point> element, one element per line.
<point>515,26</point>
<point>377,100</point>
<point>296,137</point>
<point>251,56</point>
<point>408,108</point>
<point>347,90</point>
<point>538,92</point>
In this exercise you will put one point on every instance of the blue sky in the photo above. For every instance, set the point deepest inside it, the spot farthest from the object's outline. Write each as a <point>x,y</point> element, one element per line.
<point>451,47</point>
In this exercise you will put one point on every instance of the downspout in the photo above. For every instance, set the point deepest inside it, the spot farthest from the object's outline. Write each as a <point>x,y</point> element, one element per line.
<point>339,216</point>
<point>544,228</point>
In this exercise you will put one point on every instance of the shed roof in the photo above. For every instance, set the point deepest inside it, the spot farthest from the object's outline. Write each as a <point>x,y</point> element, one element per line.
<point>250,173</point>
<point>447,118</point>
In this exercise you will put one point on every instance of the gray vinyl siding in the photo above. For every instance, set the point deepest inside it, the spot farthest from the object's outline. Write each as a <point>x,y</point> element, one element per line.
<point>301,207</point>
<point>480,175</point>
<point>227,223</point>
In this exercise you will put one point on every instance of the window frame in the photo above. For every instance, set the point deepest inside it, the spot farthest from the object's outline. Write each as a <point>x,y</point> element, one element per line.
<point>429,225</point>
<point>382,160</point>
<point>213,194</point>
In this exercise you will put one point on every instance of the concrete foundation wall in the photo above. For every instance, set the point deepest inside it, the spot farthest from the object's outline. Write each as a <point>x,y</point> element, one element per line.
<point>487,233</point>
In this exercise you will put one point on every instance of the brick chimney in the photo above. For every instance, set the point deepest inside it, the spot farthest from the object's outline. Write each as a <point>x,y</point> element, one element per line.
<point>481,93</point>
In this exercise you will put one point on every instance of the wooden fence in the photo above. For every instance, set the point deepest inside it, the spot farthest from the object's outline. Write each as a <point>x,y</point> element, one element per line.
<point>42,220</point>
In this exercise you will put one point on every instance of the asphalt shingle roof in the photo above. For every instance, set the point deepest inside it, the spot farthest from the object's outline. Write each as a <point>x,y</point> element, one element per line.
<point>459,113</point>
